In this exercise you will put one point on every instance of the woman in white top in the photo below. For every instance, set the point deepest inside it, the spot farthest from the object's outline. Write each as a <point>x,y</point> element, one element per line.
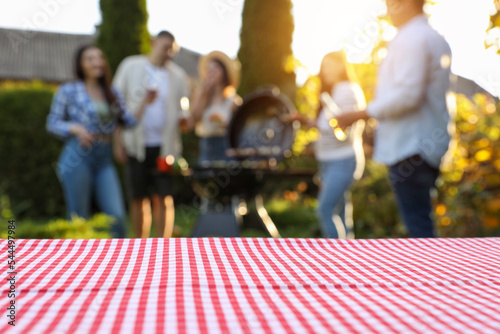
<point>340,161</point>
<point>214,103</point>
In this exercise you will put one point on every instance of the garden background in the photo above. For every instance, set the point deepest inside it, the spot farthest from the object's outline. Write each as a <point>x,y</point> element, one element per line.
<point>467,203</point>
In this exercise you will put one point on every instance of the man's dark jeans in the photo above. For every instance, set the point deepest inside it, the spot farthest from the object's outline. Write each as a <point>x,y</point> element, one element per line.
<point>412,180</point>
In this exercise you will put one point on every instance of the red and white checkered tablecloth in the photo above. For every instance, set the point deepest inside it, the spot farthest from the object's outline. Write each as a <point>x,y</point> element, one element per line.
<point>255,286</point>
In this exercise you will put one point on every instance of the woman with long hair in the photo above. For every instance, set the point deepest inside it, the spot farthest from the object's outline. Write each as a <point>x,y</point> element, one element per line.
<point>214,103</point>
<point>340,160</point>
<point>84,113</point>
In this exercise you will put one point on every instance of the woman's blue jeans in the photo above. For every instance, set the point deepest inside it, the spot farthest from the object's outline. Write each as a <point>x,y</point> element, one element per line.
<point>335,208</point>
<point>86,171</point>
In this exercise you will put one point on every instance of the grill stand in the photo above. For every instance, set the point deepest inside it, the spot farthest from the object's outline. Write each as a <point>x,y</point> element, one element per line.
<point>218,219</point>
<point>260,134</point>
<point>224,220</point>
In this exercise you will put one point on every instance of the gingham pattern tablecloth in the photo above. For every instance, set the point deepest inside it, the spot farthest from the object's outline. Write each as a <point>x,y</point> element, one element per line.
<point>255,286</point>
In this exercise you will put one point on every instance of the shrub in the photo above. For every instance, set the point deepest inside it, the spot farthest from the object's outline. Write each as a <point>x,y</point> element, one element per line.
<point>375,211</point>
<point>469,202</point>
<point>27,152</point>
<point>293,220</point>
<point>96,227</point>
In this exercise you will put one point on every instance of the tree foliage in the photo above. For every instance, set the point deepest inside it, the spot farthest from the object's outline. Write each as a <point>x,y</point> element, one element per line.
<point>266,38</point>
<point>469,202</point>
<point>123,31</point>
<point>493,33</point>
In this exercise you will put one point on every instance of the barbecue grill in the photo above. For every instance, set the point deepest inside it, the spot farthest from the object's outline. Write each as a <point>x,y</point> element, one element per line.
<point>260,135</point>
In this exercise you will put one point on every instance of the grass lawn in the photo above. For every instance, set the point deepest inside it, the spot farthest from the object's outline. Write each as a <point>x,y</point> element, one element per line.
<point>293,220</point>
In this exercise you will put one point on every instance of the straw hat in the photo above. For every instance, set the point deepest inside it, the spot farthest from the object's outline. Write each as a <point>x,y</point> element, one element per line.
<point>232,66</point>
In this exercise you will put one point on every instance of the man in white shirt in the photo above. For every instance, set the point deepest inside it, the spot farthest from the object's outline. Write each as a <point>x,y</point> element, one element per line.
<point>411,110</point>
<point>157,135</point>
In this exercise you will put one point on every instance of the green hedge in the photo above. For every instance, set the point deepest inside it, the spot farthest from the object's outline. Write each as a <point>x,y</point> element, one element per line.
<point>28,153</point>
<point>97,227</point>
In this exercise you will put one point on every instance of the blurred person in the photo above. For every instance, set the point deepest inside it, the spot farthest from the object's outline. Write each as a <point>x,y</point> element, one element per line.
<point>85,113</point>
<point>410,106</point>
<point>157,137</point>
<point>340,160</point>
<point>213,104</point>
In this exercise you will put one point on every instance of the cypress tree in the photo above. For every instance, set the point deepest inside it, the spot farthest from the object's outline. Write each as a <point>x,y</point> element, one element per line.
<point>266,45</point>
<point>123,31</point>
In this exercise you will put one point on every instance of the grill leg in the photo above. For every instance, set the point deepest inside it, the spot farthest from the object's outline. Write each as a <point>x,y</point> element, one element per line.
<point>268,222</point>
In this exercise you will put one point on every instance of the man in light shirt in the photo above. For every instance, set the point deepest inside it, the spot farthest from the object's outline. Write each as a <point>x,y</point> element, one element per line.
<point>411,110</point>
<point>156,137</point>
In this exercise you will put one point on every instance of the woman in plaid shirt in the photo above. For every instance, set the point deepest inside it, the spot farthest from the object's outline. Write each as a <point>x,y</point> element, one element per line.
<point>84,113</point>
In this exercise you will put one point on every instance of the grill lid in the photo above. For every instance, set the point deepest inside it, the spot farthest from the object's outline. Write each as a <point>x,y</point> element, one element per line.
<point>261,128</point>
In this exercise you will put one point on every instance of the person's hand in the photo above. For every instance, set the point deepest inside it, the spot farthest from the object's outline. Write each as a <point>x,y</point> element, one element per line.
<point>84,137</point>
<point>207,87</point>
<point>151,95</point>
<point>120,153</point>
<point>295,116</point>
<point>186,124</point>
<point>348,118</point>
<point>309,123</point>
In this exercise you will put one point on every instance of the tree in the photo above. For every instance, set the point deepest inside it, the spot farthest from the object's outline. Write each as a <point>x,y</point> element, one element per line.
<point>493,33</point>
<point>266,46</point>
<point>123,31</point>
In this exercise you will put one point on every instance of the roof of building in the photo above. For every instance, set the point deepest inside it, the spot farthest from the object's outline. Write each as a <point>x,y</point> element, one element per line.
<point>48,56</point>
<point>467,87</point>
